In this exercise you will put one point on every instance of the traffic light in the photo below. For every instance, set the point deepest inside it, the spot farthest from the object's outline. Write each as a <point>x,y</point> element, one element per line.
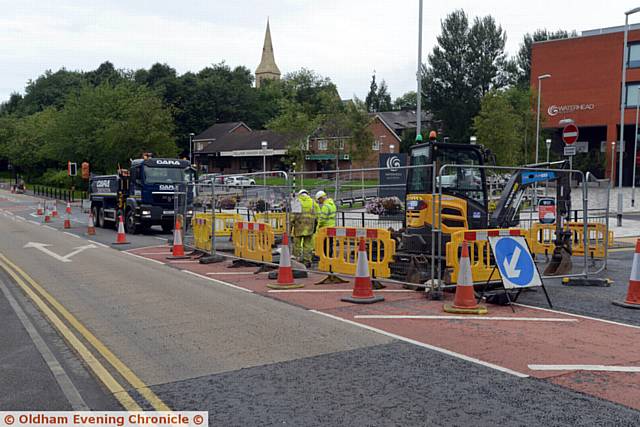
<point>85,170</point>
<point>72,168</point>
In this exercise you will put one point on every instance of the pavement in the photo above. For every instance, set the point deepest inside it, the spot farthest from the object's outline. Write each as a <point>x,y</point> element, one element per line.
<point>182,335</point>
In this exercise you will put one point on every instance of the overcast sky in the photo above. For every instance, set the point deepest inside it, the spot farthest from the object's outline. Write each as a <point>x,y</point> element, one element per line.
<point>342,39</point>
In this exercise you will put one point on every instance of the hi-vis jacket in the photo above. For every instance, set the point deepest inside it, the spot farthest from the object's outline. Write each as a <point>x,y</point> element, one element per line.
<point>303,223</point>
<point>327,216</point>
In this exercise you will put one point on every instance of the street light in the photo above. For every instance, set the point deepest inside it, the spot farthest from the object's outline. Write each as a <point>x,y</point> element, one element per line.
<point>623,90</point>
<point>190,149</point>
<point>548,142</point>
<point>540,79</point>
<point>635,153</point>
<point>419,75</point>
<point>391,148</point>
<point>264,145</point>
<point>473,140</point>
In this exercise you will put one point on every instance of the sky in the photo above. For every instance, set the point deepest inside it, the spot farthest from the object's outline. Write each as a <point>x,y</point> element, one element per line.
<point>345,40</point>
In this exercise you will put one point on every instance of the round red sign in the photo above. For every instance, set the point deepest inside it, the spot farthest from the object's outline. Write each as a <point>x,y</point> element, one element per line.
<point>570,134</point>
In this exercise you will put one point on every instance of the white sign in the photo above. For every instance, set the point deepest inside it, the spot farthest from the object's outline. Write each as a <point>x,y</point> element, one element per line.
<point>253,153</point>
<point>554,110</point>
<point>514,261</point>
<point>582,146</point>
<point>42,247</point>
<point>569,150</point>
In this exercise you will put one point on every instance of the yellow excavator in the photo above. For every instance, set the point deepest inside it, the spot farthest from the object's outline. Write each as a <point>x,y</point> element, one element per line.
<point>465,201</point>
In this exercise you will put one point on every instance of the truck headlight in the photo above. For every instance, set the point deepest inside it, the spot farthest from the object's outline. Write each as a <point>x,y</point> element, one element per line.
<point>146,213</point>
<point>190,213</point>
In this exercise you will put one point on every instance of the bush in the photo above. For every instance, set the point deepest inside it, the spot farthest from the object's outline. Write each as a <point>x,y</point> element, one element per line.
<point>227,203</point>
<point>384,206</point>
<point>55,178</point>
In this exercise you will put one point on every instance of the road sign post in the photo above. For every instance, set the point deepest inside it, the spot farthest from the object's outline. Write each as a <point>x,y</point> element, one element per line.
<point>569,136</point>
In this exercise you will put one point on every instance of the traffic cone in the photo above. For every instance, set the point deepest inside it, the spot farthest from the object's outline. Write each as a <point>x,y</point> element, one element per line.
<point>285,273</point>
<point>91,226</point>
<point>68,209</point>
<point>121,238</point>
<point>177,251</point>
<point>362,288</point>
<point>633,292</point>
<point>39,211</point>
<point>67,221</point>
<point>46,218</point>
<point>464,301</point>
<point>54,212</point>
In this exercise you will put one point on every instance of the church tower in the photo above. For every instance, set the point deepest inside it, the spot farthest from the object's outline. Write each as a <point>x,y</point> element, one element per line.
<point>267,68</point>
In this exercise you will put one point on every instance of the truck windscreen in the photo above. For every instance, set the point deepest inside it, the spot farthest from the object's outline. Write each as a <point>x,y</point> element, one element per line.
<point>164,175</point>
<point>419,179</point>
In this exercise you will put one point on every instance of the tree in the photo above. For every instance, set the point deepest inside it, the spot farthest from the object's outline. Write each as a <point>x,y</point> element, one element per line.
<point>297,124</point>
<point>371,101</point>
<point>505,124</point>
<point>523,58</point>
<point>50,90</point>
<point>466,63</point>
<point>378,98</point>
<point>408,101</point>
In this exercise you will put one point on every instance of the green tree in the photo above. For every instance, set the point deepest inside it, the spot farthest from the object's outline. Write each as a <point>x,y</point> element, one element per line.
<point>371,101</point>
<point>108,125</point>
<point>408,101</point>
<point>50,90</point>
<point>466,63</point>
<point>297,124</point>
<point>523,58</point>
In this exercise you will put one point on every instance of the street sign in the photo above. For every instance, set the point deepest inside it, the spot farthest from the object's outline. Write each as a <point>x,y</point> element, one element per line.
<point>570,134</point>
<point>547,210</point>
<point>514,261</point>
<point>569,150</point>
<point>392,177</point>
<point>582,146</point>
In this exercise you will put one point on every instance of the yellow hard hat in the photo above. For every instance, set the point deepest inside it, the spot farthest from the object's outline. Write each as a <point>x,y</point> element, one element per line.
<point>320,194</point>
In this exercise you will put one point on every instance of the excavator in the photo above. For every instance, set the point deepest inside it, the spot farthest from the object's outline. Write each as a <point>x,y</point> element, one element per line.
<point>465,205</point>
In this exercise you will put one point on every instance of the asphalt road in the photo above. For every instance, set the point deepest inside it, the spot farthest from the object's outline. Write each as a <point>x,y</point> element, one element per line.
<point>172,338</point>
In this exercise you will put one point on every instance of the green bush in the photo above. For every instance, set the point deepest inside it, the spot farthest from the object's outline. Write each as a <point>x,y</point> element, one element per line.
<point>55,178</point>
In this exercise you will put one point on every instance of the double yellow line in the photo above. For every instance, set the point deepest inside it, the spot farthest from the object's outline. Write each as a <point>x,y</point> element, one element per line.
<point>48,305</point>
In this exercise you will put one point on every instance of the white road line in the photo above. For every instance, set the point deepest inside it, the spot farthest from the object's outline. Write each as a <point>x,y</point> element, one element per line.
<point>167,252</point>
<point>141,257</point>
<point>50,227</point>
<point>601,368</point>
<point>426,317</point>
<point>150,247</point>
<point>34,222</point>
<point>427,346</point>
<point>99,244</point>
<point>577,315</point>
<point>66,385</point>
<point>73,235</point>
<point>222,273</point>
<point>220,282</point>
<point>293,291</point>
<point>161,238</point>
<point>186,261</point>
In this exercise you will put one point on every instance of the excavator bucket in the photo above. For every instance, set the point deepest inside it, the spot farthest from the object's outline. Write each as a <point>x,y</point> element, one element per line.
<point>560,263</point>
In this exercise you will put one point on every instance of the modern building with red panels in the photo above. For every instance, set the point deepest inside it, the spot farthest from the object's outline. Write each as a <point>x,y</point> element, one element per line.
<point>585,85</point>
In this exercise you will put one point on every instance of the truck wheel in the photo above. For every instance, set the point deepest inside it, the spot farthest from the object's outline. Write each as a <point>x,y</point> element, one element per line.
<point>100,218</point>
<point>94,212</point>
<point>130,223</point>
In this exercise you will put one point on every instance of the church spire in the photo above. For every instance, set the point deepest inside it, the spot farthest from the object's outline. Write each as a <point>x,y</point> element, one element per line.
<point>267,68</point>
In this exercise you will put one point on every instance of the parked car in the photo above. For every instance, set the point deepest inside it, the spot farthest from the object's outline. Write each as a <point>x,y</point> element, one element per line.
<point>208,177</point>
<point>239,181</point>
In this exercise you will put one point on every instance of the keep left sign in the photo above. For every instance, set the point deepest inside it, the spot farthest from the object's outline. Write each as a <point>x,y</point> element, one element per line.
<point>514,261</point>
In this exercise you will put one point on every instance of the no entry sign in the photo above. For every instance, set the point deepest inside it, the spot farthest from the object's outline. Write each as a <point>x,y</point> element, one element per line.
<point>570,134</point>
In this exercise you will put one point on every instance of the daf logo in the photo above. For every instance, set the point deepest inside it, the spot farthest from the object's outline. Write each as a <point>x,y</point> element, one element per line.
<point>168,162</point>
<point>167,187</point>
<point>103,183</point>
<point>393,163</point>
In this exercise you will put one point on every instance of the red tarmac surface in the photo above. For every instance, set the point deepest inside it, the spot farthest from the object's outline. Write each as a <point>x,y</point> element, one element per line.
<point>512,344</point>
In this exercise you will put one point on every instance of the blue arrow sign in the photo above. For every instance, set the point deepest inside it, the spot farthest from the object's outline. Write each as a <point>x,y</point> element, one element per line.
<point>514,261</point>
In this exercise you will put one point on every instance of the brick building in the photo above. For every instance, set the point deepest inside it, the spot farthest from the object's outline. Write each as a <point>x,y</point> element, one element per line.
<point>585,85</point>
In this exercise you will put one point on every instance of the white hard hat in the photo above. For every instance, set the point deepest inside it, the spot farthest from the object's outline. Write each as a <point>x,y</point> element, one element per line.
<point>320,194</point>
<point>303,191</point>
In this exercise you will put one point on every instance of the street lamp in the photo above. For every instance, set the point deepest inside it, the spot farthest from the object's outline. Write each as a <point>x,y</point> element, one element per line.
<point>419,75</point>
<point>635,153</point>
<point>540,79</point>
<point>391,148</point>
<point>264,144</point>
<point>190,149</point>
<point>548,142</point>
<point>623,90</point>
<point>473,140</point>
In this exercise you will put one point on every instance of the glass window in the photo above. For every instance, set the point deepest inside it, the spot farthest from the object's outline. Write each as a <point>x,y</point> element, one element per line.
<point>164,175</point>
<point>632,94</point>
<point>634,56</point>
<point>376,145</point>
<point>322,145</point>
<point>419,179</point>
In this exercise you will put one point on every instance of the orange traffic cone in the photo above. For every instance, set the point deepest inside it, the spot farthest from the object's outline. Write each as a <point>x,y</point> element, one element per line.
<point>177,252</point>
<point>633,293</point>
<point>67,221</point>
<point>464,301</point>
<point>39,211</point>
<point>121,239</point>
<point>68,209</point>
<point>54,212</point>
<point>91,226</point>
<point>46,218</point>
<point>362,288</point>
<point>285,273</point>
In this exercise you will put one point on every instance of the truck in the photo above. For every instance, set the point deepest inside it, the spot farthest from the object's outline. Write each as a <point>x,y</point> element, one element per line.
<point>143,194</point>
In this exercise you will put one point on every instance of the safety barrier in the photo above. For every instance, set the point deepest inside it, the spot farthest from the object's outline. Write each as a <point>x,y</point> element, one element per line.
<point>277,220</point>
<point>483,265</point>
<point>337,248</point>
<point>253,241</point>
<point>201,224</point>
<point>542,236</point>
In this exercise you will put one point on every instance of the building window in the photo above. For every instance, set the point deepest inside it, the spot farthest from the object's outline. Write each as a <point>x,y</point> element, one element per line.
<point>322,145</point>
<point>631,98</point>
<point>199,146</point>
<point>376,145</point>
<point>633,55</point>
<point>341,144</point>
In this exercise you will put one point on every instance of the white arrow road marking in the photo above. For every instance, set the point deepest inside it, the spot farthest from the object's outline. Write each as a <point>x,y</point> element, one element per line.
<point>42,247</point>
<point>510,267</point>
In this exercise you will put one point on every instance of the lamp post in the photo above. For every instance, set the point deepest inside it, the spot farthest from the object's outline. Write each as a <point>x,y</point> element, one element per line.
<point>548,142</point>
<point>635,152</point>
<point>540,79</point>
<point>623,90</point>
<point>419,74</point>
<point>264,145</point>
<point>190,148</point>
